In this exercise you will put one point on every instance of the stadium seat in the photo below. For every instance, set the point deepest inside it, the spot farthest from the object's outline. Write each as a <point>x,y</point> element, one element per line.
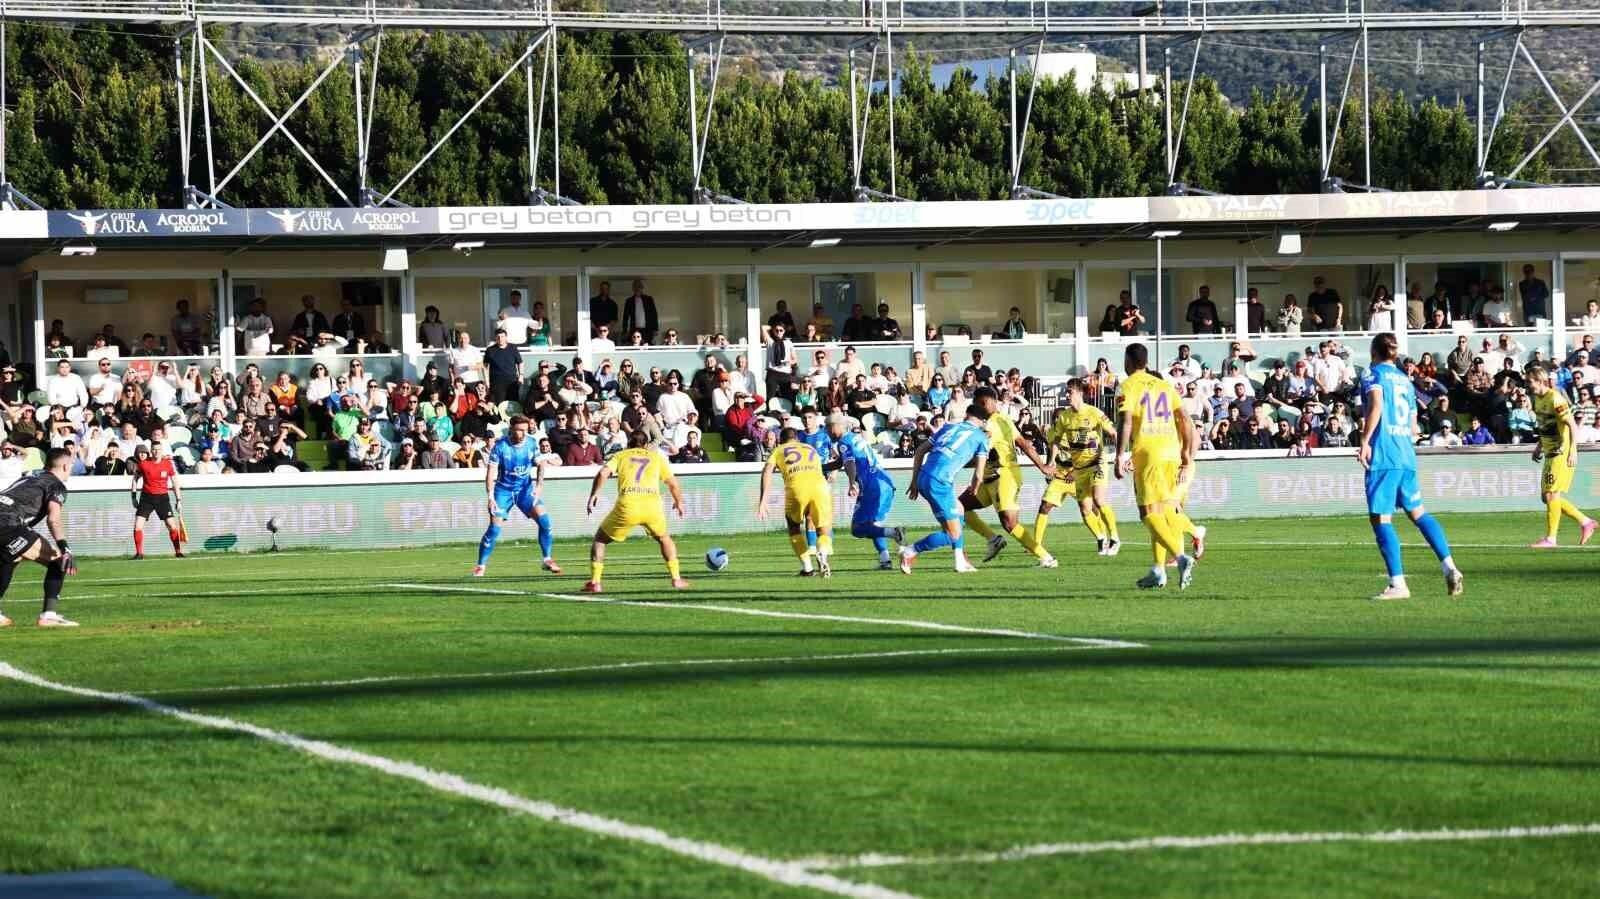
<point>32,459</point>
<point>315,453</point>
<point>184,455</point>
<point>169,414</point>
<point>38,398</point>
<point>510,407</point>
<point>179,435</point>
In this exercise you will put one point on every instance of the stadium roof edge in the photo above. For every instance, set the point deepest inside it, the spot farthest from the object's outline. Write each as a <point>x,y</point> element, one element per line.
<point>761,225</point>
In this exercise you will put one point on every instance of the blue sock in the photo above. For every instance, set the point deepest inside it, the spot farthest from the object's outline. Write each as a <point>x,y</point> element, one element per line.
<point>1433,532</point>
<point>1388,546</point>
<point>811,538</point>
<point>935,540</point>
<point>486,545</point>
<point>546,539</point>
<point>959,541</point>
<point>881,544</point>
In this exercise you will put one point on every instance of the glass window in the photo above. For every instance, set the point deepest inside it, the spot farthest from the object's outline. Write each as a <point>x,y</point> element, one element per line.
<point>663,307</point>
<point>1512,293</point>
<point>309,315</point>
<point>133,317</point>
<point>1583,299</point>
<point>1327,298</point>
<point>858,307</point>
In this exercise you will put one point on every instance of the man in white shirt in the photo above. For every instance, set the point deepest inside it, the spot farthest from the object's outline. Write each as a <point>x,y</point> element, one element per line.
<point>821,372</point>
<point>952,375</point>
<point>742,378</point>
<point>601,342</point>
<point>256,327</point>
<point>104,385</point>
<point>674,405</point>
<point>1496,311</point>
<point>65,387</point>
<point>162,389</point>
<point>1328,370</point>
<point>515,320</point>
<point>678,434</point>
<point>1511,349</point>
<point>466,360</point>
<point>128,440</point>
<point>1236,377</point>
<point>1493,358</point>
<point>850,367</point>
<point>876,382</point>
<point>1191,365</point>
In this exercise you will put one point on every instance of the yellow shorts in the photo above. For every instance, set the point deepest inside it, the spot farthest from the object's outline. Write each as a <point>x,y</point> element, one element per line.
<point>1558,472</point>
<point>1155,482</point>
<point>1002,492</point>
<point>621,521</point>
<point>1080,486</point>
<point>815,506</point>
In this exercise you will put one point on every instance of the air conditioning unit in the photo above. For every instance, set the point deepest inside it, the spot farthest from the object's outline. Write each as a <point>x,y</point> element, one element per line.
<point>105,296</point>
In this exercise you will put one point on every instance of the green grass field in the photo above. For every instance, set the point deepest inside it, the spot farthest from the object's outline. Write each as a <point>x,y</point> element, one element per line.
<point>1272,697</point>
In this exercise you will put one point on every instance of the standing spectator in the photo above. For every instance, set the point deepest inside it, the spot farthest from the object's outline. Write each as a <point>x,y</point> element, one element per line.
<point>186,330</point>
<point>513,318</point>
<point>256,326</point>
<point>432,331</point>
<point>65,388</point>
<point>1472,303</point>
<point>1535,296</point>
<point>1380,310</point>
<point>1330,372</point>
<point>503,362</point>
<point>1440,301</point>
<point>1129,318</point>
<point>1416,311</point>
<point>1255,314</point>
<point>781,316</point>
<point>466,360</point>
<point>349,324</point>
<point>308,322</point>
<point>603,308</point>
<point>884,327</point>
<point>639,313</point>
<point>780,364</point>
<point>1202,314</point>
<point>1290,316</point>
<point>703,386</point>
<point>1327,309</point>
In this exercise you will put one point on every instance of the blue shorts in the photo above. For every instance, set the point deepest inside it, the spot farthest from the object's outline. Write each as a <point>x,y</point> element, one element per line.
<point>1389,489</point>
<point>941,497</point>
<point>874,500</point>
<point>524,499</point>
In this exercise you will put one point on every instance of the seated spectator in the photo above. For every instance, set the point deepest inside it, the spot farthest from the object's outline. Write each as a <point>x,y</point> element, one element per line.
<point>691,452</point>
<point>678,435</point>
<point>111,462</point>
<point>208,463</point>
<point>1590,319</point>
<point>547,455</point>
<point>673,405</point>
<point>1446,435</point>
<point>582,451</point>
<point>1477,435</point>
<point>66,388</point>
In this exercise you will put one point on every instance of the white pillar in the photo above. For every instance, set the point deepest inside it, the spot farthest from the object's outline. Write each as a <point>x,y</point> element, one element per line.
<point>752,320</point>
<point>1558,309</point>
<point>225,323</point>
<point>919,311</point>
<point>583,316</point>
<point>39,372</point>
<point>1080,319</point>
<point>1402,321</point>
<point>1241,299</point>
<point>410,345</point>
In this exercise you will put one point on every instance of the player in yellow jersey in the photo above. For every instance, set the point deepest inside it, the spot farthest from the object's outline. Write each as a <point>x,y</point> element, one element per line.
<point>1077,438</point>
<point>1002,481</point>
<point>1156,442</point>
<point>1559,450</point>
<point>641,470</point>
<point>807,499</point>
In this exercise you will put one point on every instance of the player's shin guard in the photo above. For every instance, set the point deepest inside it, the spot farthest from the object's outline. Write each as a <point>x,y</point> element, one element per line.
<point>1040,525</point>
<point>595,570</point>
<point>977,524</point>
<point>1552,517</point>
<point>546,537</point>
<point>1165,538</point>
<point>1388,547</point>
<point>138,542</point>
<point>801,543</point>
<point>1109,516</point>
<point>1096,526</point>
<point>935,540</point>
<point>177,545</point>
<point>54,574</point>
<point>486,545</point>
<point>672,569</point>
<point>1433,532</point>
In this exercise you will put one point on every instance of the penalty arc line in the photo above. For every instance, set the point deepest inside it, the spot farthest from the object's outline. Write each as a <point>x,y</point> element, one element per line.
<point>776,870</point>
<point>613,666</point>
<point>1019,853</point>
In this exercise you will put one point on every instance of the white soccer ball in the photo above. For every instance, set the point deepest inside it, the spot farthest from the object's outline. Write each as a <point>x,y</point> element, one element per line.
<point>717,558</point>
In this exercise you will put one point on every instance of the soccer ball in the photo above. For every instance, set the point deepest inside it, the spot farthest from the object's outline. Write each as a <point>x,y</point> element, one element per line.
<point>717,558</point>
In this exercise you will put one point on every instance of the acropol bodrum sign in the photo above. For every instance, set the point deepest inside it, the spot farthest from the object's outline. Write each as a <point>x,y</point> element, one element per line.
<point>147,223</point>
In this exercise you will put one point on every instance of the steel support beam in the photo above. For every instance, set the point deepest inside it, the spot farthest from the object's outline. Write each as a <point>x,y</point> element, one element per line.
<point>549,86</point>
<point>700,121</point>
<point>1174,142</point>
<point>1566,118</point>
<point>861,112</point>
<point>366,107</point>
<point>1019,141</point>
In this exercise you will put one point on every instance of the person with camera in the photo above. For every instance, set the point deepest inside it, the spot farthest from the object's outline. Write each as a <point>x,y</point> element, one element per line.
<point>155,491</point>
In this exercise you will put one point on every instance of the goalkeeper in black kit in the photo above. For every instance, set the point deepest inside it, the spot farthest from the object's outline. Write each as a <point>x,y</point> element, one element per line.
<point>31,499</point>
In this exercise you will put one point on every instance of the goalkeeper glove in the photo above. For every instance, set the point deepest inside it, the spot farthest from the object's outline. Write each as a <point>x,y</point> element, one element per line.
<point>69,565</point>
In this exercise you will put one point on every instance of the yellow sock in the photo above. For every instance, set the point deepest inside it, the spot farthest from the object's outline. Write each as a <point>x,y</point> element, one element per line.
<point>1092,521</point>
<point>825,544</point>
<point>1185,526</point>
<point>1164,535</point>
<point>1571,511</point>
<point>1552,518</point>
<point>594,571</point>
<point>1109,516</point>
<point>797,542</point>
<point>672,568</point>
<point>977,524</point>
<point>1039,526</point>
<point>1026,539</point>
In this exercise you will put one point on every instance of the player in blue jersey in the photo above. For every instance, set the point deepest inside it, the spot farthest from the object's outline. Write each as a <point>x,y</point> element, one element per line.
<point>514,480</point>
<point>1388,453</point>
<point>869,484</point>
<point>933,474</point>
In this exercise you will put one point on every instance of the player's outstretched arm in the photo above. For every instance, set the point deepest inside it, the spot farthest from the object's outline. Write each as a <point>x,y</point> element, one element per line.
<point>916,467</point>
<point>1026,445</point>
<point>675,490</point>
<point>491,471</point>
<point>594,489</point>
<point>761,496</point>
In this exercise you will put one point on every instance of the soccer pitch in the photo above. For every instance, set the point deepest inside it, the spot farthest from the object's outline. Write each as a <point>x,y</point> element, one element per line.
<point>381,724</point>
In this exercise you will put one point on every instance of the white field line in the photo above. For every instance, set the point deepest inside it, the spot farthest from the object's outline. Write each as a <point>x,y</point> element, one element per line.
<point>613,666</point>
<point>778,871</point>
<point>1020,853</point>
<point>1095,642</point>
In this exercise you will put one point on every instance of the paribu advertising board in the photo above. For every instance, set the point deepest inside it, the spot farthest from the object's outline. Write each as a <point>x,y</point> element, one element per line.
<point>373,515</point>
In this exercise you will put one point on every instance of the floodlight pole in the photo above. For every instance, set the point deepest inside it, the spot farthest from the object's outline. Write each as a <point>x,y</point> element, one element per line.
<point>549,85</point>
<point>700,125</point>
<point>862,104</point>
<point>1175,146</point>
<point>1019,142</point>
<point>366,109</point>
